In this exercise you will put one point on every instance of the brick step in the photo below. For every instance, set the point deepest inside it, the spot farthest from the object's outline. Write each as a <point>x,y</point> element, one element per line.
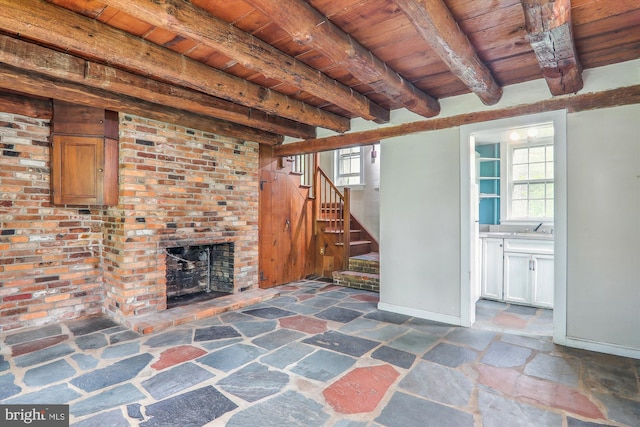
<point>366,263</point>
<point>357,280</point>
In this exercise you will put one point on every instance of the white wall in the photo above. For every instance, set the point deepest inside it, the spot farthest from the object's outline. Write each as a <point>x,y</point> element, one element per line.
<point>603,218</point>
<point>420,225</point>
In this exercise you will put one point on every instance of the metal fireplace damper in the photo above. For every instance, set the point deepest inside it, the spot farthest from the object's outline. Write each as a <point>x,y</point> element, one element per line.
<point>198,273</point>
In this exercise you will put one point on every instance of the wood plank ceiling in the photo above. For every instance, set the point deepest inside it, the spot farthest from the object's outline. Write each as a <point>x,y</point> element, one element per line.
<point>264,69</point>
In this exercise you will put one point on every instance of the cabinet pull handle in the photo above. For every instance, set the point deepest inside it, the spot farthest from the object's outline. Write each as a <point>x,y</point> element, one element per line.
<point>533,265</point>
<point>100,170</point>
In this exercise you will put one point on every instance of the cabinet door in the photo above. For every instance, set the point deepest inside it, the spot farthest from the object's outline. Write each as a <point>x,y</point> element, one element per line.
<point>517,287</point>
<point>542,278</point>
<point>492,251</point>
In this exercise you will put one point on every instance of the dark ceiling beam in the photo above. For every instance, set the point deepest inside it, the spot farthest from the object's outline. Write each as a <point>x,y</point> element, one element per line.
<point>186,20</point>
<point>37,85</point>
<point>549,30</point>
<point>52,25</point>
<point>434,22</point>
<point>15,103</point>
<point>310,28</point>
<point>572,103</point>
<point>54,64</point>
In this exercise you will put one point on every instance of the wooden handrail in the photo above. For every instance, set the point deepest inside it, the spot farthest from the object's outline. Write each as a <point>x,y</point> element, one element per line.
<point>334,207</point>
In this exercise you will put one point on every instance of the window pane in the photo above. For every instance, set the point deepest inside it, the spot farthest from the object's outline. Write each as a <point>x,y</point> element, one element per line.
<point>536,154</point>
<point>520,155</point>
<point>549,153</point>
<point>519,208</point>
<point>355,165</point>
<point>549,168</point>
<point>549,212</point>
<point>536,208</point>
<point>536,191</point>
<point>520,172</point>
<point>520,191</point>
<point>549,190</point>
<point>536,171</point>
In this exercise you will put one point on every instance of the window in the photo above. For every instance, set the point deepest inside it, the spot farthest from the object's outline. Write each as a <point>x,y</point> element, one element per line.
<point>530,179</point>
<point>349,166</point>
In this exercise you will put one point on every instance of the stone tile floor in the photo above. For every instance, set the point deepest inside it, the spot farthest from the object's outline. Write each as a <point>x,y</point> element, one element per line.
<point>320,355</point>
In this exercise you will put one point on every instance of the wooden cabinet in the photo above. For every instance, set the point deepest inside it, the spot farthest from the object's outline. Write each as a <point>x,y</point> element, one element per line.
<point>84,155</point>
<point>84,170</point>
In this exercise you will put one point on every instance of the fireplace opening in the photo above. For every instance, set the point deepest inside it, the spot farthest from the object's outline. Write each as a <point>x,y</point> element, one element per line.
<point>198,273</point>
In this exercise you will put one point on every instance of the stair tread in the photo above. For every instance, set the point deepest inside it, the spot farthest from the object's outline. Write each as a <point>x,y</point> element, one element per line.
<point>357,273</point>
<point>356,243</point>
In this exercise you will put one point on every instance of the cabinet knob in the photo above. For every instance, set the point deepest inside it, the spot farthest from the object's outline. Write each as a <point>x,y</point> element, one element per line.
<point>100,170</point>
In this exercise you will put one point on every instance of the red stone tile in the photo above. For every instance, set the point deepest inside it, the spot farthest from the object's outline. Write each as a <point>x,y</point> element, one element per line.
<point>366,297</point>
<point>361,390</point>
<point>331,288</point>
<point>176,355</point>
<point>537,391</point>
<point>36,345</point>
<point>509,320</point>
<point>306,324</point>
<point>304,297</point>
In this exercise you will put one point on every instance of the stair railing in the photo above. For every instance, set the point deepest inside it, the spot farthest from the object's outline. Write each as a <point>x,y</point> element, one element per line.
<point>333,207</point>
<point>304,165</point>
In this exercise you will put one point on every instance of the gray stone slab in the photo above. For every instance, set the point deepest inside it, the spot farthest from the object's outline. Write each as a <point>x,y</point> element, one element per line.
<point>554,368</point>
<point>170,338</point>
<point>335,294</point>
<point>384,333</point>
<point>33,334</point>
<point>255,328</point>
<point>404,410</point>
<point>319,302</point>
<point>90,324</point>
<point>395,357</point>
<point>123,336</point>
<point>134,410</point>
<point>503,355</point>
<point>388,317</point>
<point>54,395</point>
<point>113,374</point>
<point>85,361</point>
<point>91,341</point>
<point>338,314</point>
<point>8,386</point>
<point>497,411</point>
<point>277,338</point>
<point>269,312</point>
<point>438,383</point>
<point>215,333</point>
<point>175,380</point>
<point>359,325</point>
<point>113,418</point>
<point>119,351</point>
<point>620,409</point>
<point>424,325</point>
<point>235,316</point>
<point>612,378</point>
<point>254,382</point>
<point>473,338</point>
<point>538,343</point>
<point>43,355</point>
<point>303,309</point>
<point>49,373</point>
<point>214,345</point>
<point>574,422</point>
<point>342,343</point>
<point>289,409</point>
<point>285,356</point>
<point>195,408</point>
<point>323,365</point>
<point>283,301</point>
<point>117,396</point>
<point>232,357</point>
<point>415,342</point>
<point>348,423</point>
<point>4,364</point>
<point>450,355</point>
<point>521,309</point>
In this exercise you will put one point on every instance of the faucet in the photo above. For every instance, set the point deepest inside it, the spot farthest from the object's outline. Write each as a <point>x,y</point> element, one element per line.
<point>536,229</point>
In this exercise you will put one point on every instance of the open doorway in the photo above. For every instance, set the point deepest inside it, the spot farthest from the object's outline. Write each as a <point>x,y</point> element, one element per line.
<point>513,219</point>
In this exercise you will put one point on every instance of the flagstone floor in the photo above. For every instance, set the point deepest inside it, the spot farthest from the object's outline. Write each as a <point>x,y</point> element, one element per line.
<point>320,355</point>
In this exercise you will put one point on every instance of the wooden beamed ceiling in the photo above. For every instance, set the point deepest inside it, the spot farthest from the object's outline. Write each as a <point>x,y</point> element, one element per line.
<point>265,69</point>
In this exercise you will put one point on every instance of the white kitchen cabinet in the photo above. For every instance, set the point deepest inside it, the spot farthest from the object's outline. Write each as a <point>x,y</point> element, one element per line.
<point>492,251</point>
<point>518,271</point>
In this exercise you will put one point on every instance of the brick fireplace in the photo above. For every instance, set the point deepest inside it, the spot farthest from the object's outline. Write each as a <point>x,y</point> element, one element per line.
<point>178,188</point>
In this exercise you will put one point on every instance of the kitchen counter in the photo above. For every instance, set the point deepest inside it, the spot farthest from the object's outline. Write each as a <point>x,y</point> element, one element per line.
<point>516,235</point>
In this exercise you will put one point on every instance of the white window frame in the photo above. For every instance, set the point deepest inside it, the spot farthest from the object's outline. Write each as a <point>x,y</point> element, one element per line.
<point>506,185</point>
<point>340,178</point>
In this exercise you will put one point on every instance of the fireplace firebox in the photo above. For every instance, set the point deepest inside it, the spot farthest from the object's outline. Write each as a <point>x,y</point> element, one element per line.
<point>198,273</point>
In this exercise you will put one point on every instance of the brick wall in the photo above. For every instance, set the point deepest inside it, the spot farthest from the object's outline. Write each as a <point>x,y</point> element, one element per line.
<point>49,256</point>
<point>178,187</point>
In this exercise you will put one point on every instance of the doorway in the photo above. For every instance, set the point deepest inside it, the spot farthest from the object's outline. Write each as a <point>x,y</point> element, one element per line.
<point>493,191</point>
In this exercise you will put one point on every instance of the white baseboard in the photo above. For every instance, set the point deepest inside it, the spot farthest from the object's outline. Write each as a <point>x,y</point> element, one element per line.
<point>422,314</point>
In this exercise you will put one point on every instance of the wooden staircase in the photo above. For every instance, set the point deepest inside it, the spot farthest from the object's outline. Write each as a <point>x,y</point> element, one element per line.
<point>363,273</point>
